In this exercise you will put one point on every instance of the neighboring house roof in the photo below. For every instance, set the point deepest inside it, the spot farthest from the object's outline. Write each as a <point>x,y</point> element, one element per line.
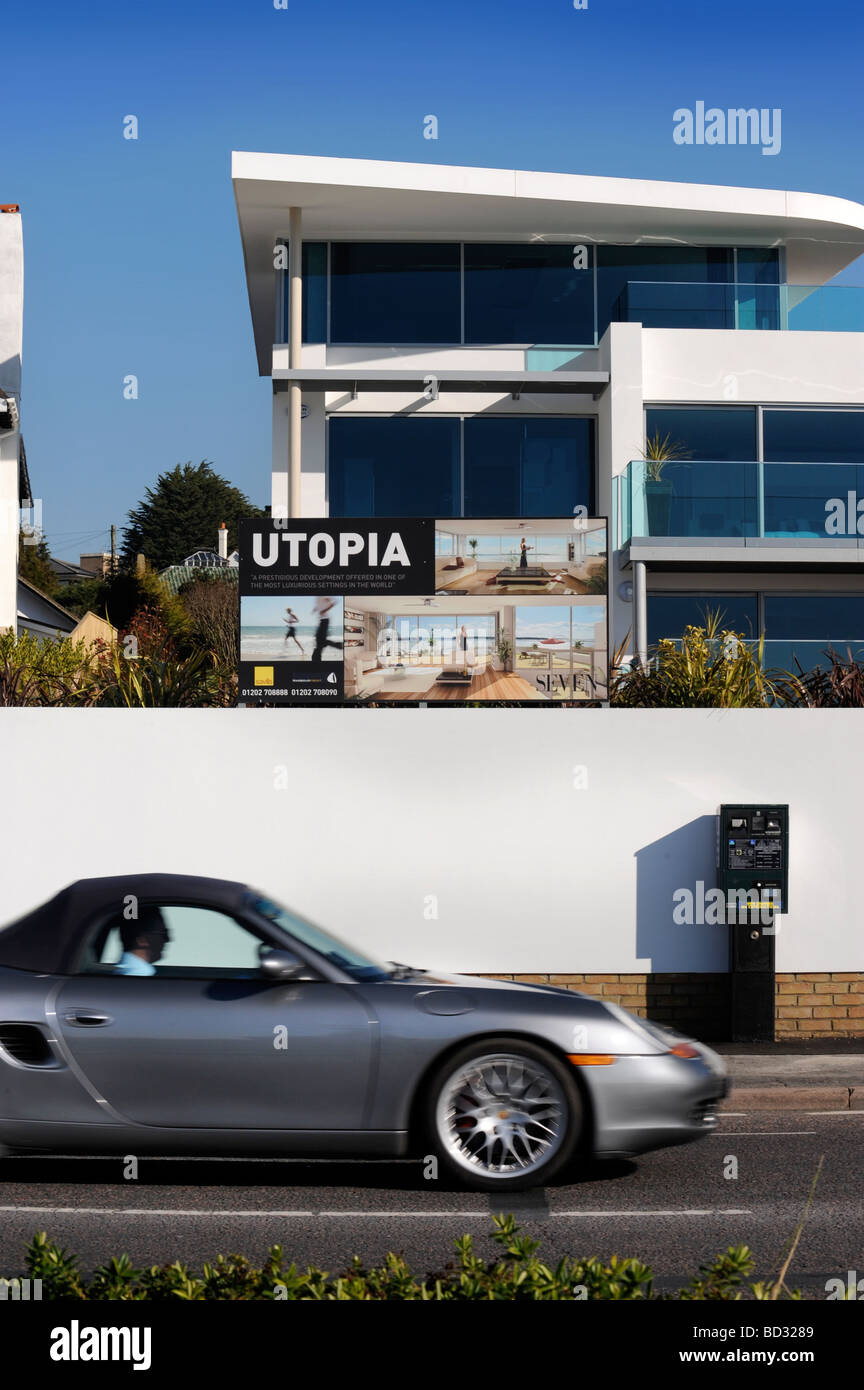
<point>91,628</point>
<point>67,570</point>
<point>40,615</point>
<point>205,560</point>
<point>176,576</point>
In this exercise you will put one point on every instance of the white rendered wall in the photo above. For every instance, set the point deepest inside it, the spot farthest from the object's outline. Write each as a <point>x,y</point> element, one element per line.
<point>479,808</point>
<point>741,365</point>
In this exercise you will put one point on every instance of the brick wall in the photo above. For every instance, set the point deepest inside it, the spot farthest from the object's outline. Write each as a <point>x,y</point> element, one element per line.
<point>807,1005</point>
<point>698,1004</point>
<point>816,1004</point>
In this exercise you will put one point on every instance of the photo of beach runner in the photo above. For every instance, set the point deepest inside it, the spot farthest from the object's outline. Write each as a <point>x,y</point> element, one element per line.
<point>308,629</point>
<point>323,607</point>
<point>291,630</point>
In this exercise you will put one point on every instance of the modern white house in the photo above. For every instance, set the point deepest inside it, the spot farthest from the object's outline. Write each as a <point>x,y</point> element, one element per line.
<point>459,342</point>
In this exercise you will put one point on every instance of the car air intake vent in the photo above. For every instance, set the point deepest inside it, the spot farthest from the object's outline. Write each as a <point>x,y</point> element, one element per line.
<point>26,1044</point>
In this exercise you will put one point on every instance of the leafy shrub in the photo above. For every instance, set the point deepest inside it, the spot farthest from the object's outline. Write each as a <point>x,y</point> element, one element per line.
<point>517,1275</point>
<point>210,606</point>
<point>37,671</point>
<point>840,685</point>
<point>709,667</point>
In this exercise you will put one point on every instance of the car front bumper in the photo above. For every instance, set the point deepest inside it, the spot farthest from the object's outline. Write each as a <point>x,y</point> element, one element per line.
<point>648,1102</point>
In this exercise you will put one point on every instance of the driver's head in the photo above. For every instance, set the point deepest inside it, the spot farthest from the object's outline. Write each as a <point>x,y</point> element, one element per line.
<point>147,935</point>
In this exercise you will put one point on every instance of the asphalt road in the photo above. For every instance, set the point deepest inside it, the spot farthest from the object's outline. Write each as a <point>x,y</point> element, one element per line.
<point>673,1209</point>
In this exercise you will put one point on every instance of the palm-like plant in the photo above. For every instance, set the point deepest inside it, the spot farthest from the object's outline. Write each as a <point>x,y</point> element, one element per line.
<point>660,450</point>
<point>839,685</point>
<point>711,667</point>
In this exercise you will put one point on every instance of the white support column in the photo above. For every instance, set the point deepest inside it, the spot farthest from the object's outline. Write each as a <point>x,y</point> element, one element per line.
<point>295,359</point>
<point>8,530</point>
<point>11,327</point>
<point>279,482</point>
<point>640,610</point>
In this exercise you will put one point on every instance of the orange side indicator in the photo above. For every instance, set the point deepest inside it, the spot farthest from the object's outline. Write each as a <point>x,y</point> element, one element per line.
<point>590,1059</point>
<point>684,1050</point>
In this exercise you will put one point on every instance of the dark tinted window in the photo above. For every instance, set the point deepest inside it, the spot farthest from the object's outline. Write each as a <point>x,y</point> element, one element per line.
<point>618,265</point>
<point>527,294</point>
<point>528,467</point>
<point>758,265</point>
<point>721,432</point>
<point>813,436</point>
<point>670,614</point>
<point>394,292</point>
<point>314,293</point>
<point>816,617</point>
<point>394,467</point>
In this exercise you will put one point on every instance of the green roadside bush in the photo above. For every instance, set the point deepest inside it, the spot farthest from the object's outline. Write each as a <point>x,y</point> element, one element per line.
<point>517,1275</point>
<point>37,671</point>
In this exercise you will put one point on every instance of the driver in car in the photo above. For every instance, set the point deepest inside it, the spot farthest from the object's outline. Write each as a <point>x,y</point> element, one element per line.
<point>143,941</point>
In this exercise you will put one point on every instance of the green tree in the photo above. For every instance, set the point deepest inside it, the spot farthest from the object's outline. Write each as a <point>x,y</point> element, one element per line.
<point>182,514</point>
<point>33,562</point>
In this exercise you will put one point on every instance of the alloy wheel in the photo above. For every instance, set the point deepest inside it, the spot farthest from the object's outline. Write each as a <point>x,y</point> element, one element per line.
<point>501,1115</point>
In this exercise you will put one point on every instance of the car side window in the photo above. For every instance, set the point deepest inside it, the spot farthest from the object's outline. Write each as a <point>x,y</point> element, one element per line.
<point>166,940</point>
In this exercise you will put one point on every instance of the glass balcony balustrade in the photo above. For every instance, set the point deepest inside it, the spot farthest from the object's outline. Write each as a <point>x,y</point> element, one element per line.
<point>719,500</point>
<point>684,304</point>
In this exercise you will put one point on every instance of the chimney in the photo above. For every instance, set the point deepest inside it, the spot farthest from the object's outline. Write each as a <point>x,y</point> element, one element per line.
<point>223,541</point>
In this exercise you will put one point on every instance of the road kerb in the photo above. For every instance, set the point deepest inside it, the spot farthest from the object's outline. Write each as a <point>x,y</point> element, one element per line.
<point>793,1098</point>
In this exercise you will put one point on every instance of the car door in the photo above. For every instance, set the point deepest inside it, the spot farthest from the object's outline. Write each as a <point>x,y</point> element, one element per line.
<point>206,1040</point>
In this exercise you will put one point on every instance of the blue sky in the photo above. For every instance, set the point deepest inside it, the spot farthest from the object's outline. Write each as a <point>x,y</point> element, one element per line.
<point>132,255</point>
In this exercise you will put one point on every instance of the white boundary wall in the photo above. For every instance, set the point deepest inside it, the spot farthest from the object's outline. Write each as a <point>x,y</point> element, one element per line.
<point>478,808</point>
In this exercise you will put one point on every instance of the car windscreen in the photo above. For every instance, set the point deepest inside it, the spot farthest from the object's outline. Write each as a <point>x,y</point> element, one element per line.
<point>355,963</point>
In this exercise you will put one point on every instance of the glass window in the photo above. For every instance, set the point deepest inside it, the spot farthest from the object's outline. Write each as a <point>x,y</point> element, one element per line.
<point>816,617</point>
<point>670,614</point>
<point>624,271</point>
<point>393,292</point>
<point>799,629</point>
<point>353,962</point>
<point>527,294</point>
<point>813,436</point>
<point>393,467</point>
<point>758,265</point>
<point>314,293</point>
<point>166,939</point>
<point>715,432</point>
<point>542,467</point>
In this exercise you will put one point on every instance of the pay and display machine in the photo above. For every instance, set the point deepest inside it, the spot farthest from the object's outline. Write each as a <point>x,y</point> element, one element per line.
<point>753,872</point>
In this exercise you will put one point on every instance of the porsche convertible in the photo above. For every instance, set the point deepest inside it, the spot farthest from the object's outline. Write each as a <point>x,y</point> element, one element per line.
<point>168,1014</point>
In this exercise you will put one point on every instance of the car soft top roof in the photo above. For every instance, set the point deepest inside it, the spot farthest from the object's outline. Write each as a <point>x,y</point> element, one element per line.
<point>46,939</point>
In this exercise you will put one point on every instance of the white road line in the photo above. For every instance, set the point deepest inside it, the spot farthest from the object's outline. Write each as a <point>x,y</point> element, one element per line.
<point>858,1113</point>
<point>389,1215</point>
<point>760,1133</point>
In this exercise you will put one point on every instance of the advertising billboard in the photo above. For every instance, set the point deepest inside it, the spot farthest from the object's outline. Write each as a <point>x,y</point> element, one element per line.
<point>381,611</point>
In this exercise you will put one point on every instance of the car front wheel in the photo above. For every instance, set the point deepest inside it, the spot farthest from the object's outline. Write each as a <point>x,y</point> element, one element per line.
<point>504,1114</point>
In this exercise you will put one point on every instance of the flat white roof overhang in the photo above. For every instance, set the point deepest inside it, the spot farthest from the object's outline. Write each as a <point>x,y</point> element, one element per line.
<point>672,553</point>
<point>367,199</point>
<point>414,383</point>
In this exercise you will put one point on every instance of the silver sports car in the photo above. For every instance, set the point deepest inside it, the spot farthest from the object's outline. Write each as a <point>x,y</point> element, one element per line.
<point>170,1014</point>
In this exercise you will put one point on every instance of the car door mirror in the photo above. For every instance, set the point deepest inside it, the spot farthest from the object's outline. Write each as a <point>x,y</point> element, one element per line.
<point>283,965</point>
